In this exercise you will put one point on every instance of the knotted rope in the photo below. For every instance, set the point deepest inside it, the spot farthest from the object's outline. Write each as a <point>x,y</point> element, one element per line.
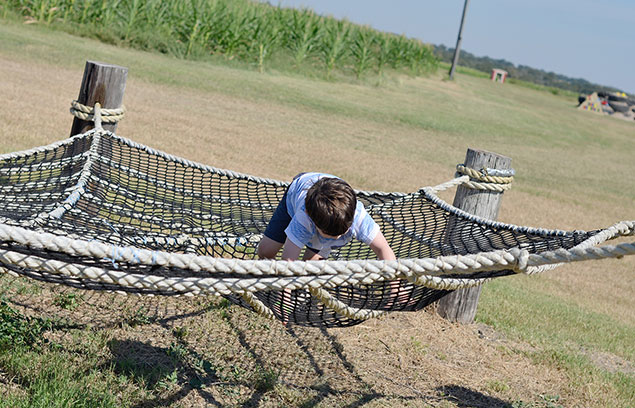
<point>486,179</point>
<point>97,113</point>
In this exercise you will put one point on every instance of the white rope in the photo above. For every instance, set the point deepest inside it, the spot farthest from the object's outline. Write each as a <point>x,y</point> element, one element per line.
<point>96,113</point>
<point>97,116</point>
<point>271,274</point>
<point>449,184</point>
<point>466,182</point>
<point>258,306</point>
<point>342,308</point>
<point>75,193</point>
<point>486,175</point>
<point>586,250</point>
<point>475,185</point>
<point>486,179</point>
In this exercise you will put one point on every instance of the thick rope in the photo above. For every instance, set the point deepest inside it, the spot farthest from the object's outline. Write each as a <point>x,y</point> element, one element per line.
<point>277,275</point>
<point>449,184</point>
<point>496,183</point>
<point>258,306</point>
<point>342,308</point>
<point>484,175</point>
<point>586,250</point>
<point>87,113</point>
<point>483,180</point>
<point>75,193</point>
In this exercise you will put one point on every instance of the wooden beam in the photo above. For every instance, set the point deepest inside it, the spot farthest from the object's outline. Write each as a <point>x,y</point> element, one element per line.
<point>460,305</point>
<point>103,83</point>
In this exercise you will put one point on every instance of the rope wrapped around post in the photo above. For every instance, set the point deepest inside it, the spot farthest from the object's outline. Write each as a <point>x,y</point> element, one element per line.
<point>87,113</point>
<point>486,179</point>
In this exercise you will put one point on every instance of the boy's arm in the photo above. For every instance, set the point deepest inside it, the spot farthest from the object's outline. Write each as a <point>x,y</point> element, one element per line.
<point>290,251</point>
<point>380,247</point>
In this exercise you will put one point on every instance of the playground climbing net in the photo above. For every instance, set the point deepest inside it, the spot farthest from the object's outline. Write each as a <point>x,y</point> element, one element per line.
<point>98,211</point>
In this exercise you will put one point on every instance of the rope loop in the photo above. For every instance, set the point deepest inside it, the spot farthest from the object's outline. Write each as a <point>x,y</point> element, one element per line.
<point>486,179</point>
<point>88,113</point>
<point>521,258</point>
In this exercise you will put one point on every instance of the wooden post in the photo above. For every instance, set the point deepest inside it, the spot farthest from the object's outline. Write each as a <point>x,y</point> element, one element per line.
<point>460,305</point>
<point>103,83</point>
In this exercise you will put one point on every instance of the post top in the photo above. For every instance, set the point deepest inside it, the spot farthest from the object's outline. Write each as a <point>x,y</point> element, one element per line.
<point>488,153</point>
<point>105,64</point>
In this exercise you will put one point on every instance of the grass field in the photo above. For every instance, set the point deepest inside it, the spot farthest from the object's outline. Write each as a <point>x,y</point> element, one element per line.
<point>566,338</point>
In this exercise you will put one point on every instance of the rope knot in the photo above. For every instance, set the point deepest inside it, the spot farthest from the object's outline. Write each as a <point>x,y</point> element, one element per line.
<point>97,114</point>
<point>521,257</point>
<point>486,179</point>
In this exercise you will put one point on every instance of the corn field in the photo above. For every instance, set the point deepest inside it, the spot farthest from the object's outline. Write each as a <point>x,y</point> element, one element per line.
<point>236,29</point>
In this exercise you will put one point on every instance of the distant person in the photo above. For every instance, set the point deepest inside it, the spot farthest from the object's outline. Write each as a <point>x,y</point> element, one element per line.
<point>320,212</point>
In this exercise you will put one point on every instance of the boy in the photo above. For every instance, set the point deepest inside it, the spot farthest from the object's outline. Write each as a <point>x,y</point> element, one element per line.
<point>321,212</point>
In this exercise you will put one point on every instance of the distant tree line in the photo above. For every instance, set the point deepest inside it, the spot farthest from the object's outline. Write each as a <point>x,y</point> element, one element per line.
<point>522,72</point>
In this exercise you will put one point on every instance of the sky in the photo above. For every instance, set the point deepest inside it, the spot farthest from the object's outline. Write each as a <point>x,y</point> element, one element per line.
<point>589,39</point>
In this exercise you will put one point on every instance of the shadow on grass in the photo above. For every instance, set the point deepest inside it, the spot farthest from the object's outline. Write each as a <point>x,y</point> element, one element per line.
<point>465,397</point>
<point>310,365</point>
<point>174,372</point>
<point>176,369</point>
<point>262,380</point>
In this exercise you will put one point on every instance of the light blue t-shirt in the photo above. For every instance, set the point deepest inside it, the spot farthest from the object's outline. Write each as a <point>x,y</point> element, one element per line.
<point>302,231</point>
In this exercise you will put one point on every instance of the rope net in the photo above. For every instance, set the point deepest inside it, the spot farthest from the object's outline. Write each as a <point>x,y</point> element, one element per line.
<point>100,212</point>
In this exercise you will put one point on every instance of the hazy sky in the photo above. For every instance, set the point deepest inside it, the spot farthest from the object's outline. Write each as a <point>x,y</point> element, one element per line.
<point>589,39</point>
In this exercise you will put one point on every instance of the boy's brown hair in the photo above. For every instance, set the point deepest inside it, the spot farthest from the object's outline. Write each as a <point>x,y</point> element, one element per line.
<point>331,203</point>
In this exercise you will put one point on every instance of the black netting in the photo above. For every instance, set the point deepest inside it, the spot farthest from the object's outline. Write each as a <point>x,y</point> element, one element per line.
<point>133,196</point>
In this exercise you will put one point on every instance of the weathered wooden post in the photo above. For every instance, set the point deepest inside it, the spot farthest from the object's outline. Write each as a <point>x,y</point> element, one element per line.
<point>103,83</point>
<point>460,305</point>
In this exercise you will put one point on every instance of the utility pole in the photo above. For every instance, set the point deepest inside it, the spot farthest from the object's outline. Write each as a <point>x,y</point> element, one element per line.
<point>457,49</point>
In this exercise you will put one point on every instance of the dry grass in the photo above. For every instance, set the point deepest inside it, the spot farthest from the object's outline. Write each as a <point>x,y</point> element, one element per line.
<point>574,171</point>
<point>424,361</point>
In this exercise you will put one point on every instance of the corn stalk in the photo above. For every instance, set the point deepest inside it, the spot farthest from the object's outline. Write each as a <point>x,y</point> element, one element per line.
<point>265,37</point>
<point>383,44</point>
<point>361,50</point>
<point>304,35</point>
<point>333,46</point>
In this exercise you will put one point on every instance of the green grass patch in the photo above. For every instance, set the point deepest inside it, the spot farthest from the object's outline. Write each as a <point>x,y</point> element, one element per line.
<point>49,380</point>
<point>68,300</point>
<point>565,336</point>
<point>17,330</point>
<point>543,320</point>
<point>48,375</point>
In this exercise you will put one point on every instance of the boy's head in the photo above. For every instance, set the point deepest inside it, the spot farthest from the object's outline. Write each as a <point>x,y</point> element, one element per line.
<point>330,203</point>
